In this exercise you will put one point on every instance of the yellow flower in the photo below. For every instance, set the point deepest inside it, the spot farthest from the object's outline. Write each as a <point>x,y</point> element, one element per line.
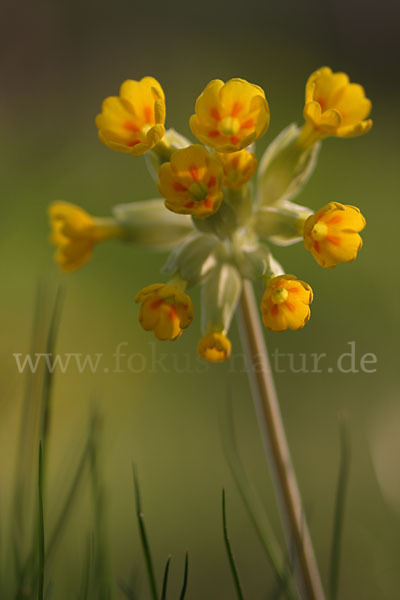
<point>165,309</point>
<point>75,232</point>
<point>191,182</point>
<point>285,303</point>
<point>215,346</point>
<point>133,122</point>
<point>331,234</point>
<point>334,107</point>
<point>239,167</point>
<point>230,116</point>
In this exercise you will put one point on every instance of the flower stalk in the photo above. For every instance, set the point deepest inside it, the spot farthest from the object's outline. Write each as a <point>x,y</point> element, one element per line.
<point>276,446</point>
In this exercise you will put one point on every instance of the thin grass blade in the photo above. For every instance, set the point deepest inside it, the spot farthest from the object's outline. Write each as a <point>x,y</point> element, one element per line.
<point>185,577</point>
<point>143,537</point>
<point>101,562</point>
<point>252,502</point>
<point>165,579</point>
<point>340,503</point>
<point>41,552</point>
<point>232,564</point>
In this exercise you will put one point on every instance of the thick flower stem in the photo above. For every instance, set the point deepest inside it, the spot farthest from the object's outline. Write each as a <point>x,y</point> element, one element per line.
<point>274,439</point>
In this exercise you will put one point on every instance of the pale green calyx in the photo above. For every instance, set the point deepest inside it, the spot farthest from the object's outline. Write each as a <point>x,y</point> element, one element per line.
<point>149,224</point>
<point>219,296</point>
<point>285,167</point>
<point>281,224</point>
<point>194,259</point>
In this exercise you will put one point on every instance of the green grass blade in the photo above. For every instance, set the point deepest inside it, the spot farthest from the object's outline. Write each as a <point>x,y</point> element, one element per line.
<point>86,571</point>
<point>101,563</point>
<point>338,519</point>
<point>26,463</point>
<point>165,579</point>
<point>49,374</point>
<point>69,500</point>
<point>130,589</point>
<point>143,537</point>
<point>41,553</point>
<point>232,564</point>
<point>127,590</point>
<point>185,577</point>
<point>252,503</point>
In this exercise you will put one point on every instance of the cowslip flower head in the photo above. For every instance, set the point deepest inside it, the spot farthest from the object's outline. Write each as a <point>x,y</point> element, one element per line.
<point>334,106</point>
<point>191,182</point>
<point>285,303</point>
<point>165,309</point>
<point>230,116</point>
<point>215,346</point>
<point>332,234</point>
<point>239,167</point>
<point>75,233</point>
<point>133,122</point>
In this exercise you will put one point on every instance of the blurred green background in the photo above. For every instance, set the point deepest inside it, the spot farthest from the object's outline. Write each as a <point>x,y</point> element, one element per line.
<point>58,61</point>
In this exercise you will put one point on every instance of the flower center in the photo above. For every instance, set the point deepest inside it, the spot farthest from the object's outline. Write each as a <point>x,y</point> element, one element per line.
<point>279,295</point>
<point>319,231</point>
<point>198,191</point>
<point>229,126</point>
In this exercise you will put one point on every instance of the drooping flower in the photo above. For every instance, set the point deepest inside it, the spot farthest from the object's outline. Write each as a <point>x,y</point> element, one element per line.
<point>230,116</point>
<point>75,233</point>
<point>334,107</point>
<point>332,234</point>
<point>239,167</point>
<point>191,182</point>
<point>285,303</point>
<point>165,309</point>
<point>215,346</point>
<point>133,122</point>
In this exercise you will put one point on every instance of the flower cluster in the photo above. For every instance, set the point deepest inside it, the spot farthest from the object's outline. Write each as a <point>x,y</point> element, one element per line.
<point>212,218</point>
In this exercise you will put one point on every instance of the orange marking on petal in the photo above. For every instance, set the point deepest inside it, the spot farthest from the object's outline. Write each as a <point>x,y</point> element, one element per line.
<point>156,304</point>
<point>194,172</point>
<point>322,103</point>
<point>208,203</point>
<point>148,114</point>
<point>179,187</point>
<point>213,134</point>
<point>130,144</point>
<point>189,204</point>
<point>293,290</point>
<point>333,240</point>
<point>316,247</point>
<point>212,181</point>
<point>172,314</point>
<point>290,306</point>
<point>247,124</point>
<point>334,220</point>
<point>237,107</point>
<point>275,310</point>
<point>215,114</point>
<point>131,126</point>
<point>235,140</point>
<point>235,162</point>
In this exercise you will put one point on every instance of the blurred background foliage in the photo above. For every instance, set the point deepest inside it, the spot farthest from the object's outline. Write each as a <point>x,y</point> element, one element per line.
<point>58,61</point>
